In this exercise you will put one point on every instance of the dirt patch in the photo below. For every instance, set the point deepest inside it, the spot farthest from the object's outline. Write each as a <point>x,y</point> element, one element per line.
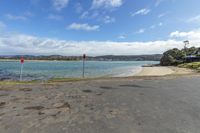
<point>2,114</point>
<point>34,108</point>
<point>90,106</point>
<point>107,88</point>
<point>6,89</point>
<point>128,85</point>
<point>2,95</point>
<point>65,105</point>
<point>141,94</point>
<point>76,96</point>
<point>40,113</point>
<point>2,104</point>
<point>99,94</point>
<point>87,91</point>
<point>25,89</point>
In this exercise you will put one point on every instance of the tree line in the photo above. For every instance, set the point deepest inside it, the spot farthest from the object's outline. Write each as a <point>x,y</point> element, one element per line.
<point>177,56</point>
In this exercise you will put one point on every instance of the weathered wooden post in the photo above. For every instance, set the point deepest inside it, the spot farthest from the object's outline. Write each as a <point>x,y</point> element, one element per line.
<point>21,71</point>
<point>84,58</point>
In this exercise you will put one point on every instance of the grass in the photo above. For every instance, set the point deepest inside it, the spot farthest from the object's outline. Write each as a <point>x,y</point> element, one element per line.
<point>48,81</point>
<point>17,82</point>
<point>65,79</point>
<point>193,65</point>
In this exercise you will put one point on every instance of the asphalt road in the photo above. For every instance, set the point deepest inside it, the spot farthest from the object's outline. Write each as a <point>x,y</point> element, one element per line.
<point>170,105</point>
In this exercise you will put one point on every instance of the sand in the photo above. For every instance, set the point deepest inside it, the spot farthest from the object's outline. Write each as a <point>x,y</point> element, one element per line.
<point>162,71</point>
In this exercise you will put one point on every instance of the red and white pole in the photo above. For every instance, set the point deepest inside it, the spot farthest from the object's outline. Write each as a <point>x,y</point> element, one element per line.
<point>21,71</point>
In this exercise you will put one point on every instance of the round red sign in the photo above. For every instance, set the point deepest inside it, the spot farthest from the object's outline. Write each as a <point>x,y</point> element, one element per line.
<point>22,60</point>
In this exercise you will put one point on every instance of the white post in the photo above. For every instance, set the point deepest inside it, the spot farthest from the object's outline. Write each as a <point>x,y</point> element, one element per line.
<point>21,71</point>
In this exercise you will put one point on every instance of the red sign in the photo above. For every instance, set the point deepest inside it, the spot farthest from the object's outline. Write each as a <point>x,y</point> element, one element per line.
<point>84,56</point>
<point>22,60</point>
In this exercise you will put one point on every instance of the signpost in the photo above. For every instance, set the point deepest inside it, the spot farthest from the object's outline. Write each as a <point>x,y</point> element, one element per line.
<point>22,62</point>
<point>84,57</point>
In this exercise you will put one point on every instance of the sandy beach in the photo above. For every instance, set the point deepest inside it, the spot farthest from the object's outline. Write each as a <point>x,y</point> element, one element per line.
<point>163,71</point>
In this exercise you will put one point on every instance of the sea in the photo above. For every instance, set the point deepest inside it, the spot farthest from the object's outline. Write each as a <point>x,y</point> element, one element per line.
<point>45,70</point>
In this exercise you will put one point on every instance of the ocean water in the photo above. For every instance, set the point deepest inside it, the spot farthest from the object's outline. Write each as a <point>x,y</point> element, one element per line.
<point>43,70</point>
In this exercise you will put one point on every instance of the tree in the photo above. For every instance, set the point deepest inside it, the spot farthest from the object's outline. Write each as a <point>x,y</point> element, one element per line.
<point>167,60</point>
<point>172,57</point>
<point>190,51</point>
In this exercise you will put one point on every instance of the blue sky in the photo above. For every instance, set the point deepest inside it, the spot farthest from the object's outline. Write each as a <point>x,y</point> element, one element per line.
<point>96,27</point>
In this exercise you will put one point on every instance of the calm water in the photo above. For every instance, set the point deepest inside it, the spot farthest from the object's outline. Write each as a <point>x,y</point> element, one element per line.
<point>42,70</point>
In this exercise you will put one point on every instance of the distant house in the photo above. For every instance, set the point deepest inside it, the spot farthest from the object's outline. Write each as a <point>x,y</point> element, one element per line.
<point>194,57</point>
<point>197,52</point>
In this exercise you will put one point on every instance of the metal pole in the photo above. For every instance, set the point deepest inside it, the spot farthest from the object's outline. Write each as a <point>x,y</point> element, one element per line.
<point>21,72</point>
<point>83,68</point>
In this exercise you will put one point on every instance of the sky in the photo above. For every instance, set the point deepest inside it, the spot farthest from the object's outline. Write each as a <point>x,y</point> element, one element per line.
<point>97,27</point>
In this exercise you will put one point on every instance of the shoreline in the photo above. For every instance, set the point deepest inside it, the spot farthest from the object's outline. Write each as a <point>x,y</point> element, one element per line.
<point>18,60</point>
<point>144,74</point>
<point>163,71</point>
<point>141,72</point>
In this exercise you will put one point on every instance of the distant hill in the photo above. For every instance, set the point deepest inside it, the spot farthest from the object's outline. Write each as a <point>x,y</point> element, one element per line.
<point>155,57</point>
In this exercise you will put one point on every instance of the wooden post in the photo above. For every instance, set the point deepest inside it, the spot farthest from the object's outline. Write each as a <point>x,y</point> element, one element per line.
<point>21,71</point>
<point>84,57</point>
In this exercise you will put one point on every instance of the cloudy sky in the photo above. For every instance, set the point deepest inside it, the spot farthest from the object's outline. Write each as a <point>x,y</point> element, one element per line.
<point>97,27</point>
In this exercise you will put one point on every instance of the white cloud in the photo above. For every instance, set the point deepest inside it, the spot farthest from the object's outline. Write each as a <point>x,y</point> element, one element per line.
<point>60,4</point>
<point>15,17</point>
<point>152,27</point>
<point>108,19</point>
<point>193,35</point>
<point>78,7</point>
<point>54,17</point>
<point>25,44</point>
<point>160,24</point>
<point>106,3</point>
<point>2,25</point>
<point>161,15</point>
<point>143,11</point>
<point>140,31</point>
<point>89,15</point>
<point>158,2</point>
<point>86,27</point>
<point>195,19</point>
<point>122,37</point>
<point>84,15</point>
<point>26,15</point>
